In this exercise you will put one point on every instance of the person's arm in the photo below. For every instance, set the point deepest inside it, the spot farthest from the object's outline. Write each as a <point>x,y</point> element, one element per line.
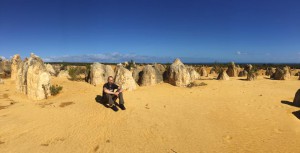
<point>108,92</point>
<point>120,89</point>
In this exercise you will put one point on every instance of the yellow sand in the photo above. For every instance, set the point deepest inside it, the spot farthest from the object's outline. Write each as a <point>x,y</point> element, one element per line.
<point>224,116</point>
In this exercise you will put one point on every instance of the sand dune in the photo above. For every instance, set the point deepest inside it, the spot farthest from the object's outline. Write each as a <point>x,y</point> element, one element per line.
<point>223,116</point>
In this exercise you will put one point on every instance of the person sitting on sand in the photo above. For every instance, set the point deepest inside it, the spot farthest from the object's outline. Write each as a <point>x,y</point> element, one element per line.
<point>111,95</point>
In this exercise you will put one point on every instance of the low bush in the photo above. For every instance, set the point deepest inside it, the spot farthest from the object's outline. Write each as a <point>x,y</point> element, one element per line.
<point>55,89</point>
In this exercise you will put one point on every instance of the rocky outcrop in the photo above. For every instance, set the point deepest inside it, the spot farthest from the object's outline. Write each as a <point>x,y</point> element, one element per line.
<point>33,78</point>
<point>232,70</point>
<point>136,73</point>
<point>150,76</point>
<point>124,79</point>
<point>193,73</point>
<point>223,75</point>
<point>178,74</point>
<point>270,71</point>
<point>296,101</point>
<point>251,76</point>
<point>161,69</point>
<point>100,72</point>
<point>203,72</point>
<point>282,74</point>
<point>63,74</point>
<point>5,68</point>
<point>16,60</point>
<point>243,73</point>
<point>50,69</point>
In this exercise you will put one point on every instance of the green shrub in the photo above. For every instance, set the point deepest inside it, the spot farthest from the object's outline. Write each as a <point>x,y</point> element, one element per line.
<point>74,73</point>
<point>55,89</point>
<point>130,65</point>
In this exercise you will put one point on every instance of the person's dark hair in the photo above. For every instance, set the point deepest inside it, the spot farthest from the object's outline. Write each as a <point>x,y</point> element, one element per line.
<point>110,77</point>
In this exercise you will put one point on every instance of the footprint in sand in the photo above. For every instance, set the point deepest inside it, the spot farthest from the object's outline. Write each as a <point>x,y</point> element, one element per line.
<point>278,131</point>
<point>227,138</point>
<point>64,104</point>
<point>96,148</point>
<point>53,141</point>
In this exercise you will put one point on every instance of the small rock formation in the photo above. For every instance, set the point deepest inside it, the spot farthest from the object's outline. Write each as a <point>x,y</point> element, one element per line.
<point>282,74</point>
<point>150,76</point>
<point>33,78</point>
<point>296,101</point>
<point>193,73</point>
<point>50,69</point>
<point>124,79</point>
<point>16,60</point>
<point>136,73</point>
<point>251,76</point>
<point>178,74</point>
<point>63,74</point>
<point>161,69</point>
<point>5,68</point>
<point>203,72</point>
<point>243,73</point>
<point>270,71</point>
<point>248,67</point>
<point>223,75</point>
<point>100,72</point>
<point>232,70</point>
<point>212,71</point>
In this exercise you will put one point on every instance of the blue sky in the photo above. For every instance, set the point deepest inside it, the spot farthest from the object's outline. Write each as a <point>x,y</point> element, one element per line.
<point>152,30</point>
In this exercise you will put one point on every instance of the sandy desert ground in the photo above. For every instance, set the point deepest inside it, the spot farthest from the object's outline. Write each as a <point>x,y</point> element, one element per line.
<point>224,116</point>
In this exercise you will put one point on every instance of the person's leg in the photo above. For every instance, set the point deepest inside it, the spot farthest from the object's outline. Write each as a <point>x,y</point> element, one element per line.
<point>121,100</point>
<point>109,97</point>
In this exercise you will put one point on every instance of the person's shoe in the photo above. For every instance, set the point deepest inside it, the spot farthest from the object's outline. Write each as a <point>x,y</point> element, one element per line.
<point>122,107</point>
<point>114,108</point>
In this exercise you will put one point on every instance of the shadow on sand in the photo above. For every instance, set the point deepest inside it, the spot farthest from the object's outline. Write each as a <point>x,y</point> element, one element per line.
<point>296,113</point>
<point>99,99</point>
<point>288,103</point>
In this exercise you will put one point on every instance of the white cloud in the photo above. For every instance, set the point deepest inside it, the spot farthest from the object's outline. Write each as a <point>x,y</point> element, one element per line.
<point>241,53</point>
<point>114,57</point>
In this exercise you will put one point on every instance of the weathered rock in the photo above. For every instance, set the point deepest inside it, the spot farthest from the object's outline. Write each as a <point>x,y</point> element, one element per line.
<point>270,71</point>
<point>150,76</point>
<point>223,75</point>
<point>296,101</point>
<point>100,72</point>
<point>282,74</point>
<point>178,74</point>
<point>203,72</point>
<point>38,79</point>
<point>136,73</point>
<point>248,67</point>
<point>232,70</point>
<point>21,79</point>
<point>124,79</point>
<point>193,73</point>
<point>251,76</point>
<point>63,74</point>
<point>243,73</point>
<point>161,69</point>
<point>16,60</point>
<point>33,78</point>
<point>50,69</point>
<point>5,68</point>
<point>212,71</point>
